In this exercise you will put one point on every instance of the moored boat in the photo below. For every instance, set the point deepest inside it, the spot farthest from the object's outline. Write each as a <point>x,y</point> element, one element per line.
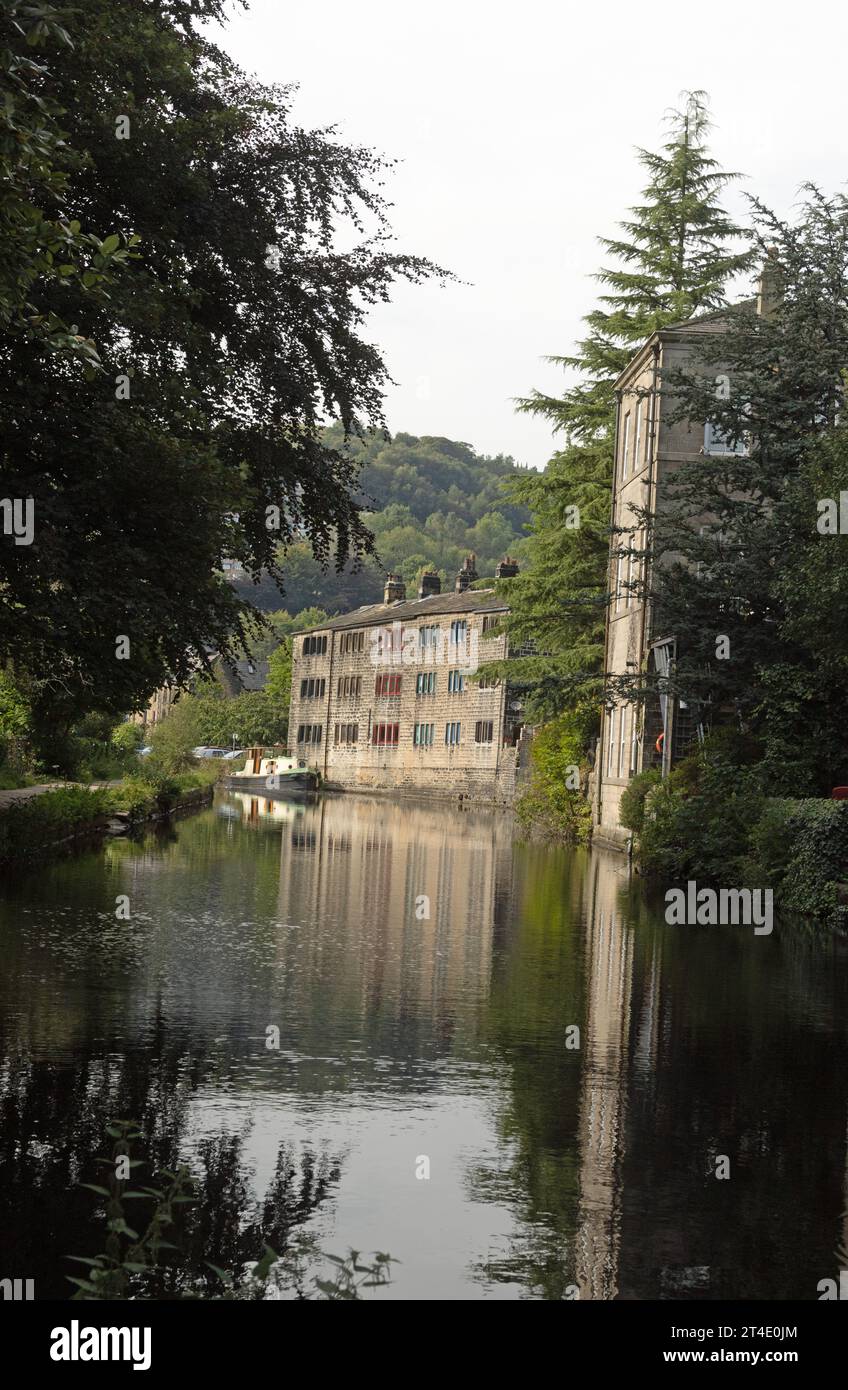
<point>272,774</point>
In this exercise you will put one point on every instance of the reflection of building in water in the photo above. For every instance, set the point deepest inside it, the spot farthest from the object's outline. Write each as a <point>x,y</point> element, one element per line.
<point>396,906</point>
<point>259,809</point>
<point>606,1065</point>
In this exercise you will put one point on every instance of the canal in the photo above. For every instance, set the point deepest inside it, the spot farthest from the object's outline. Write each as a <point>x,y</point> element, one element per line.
<point>400,1027</point>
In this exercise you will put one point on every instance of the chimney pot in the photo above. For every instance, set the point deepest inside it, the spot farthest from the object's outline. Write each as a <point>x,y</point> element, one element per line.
<point>430,584</point>
<point>467,574</point>
<point>395,589</point>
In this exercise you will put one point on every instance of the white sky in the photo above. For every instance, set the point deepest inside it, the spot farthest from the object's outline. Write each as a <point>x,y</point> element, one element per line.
<point>515,126</point>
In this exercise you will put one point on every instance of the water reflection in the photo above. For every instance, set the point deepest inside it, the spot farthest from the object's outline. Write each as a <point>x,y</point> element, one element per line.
<point>423,969</point>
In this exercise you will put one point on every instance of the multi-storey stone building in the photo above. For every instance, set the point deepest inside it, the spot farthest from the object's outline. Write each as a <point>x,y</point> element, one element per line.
<point>383,698</point>
<point>650,444</point>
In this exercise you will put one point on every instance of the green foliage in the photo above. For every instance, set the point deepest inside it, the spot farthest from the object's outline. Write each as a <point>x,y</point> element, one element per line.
<point>556,799</point>
<point>254,717</point>
<point>116,1272</point>
<point>761,572</point>
<point>673,258</point>
<point>233,330</point>
<point>278,684</point>
<point>558,605</point>
<point>127,738</point>
<point>697,822</point>
<point>40,252</point>
<point>51,816</point>
<point>132,1264</point>
<point>631,811</point>
<point>14,711</point>
<point>428,502</point>
<point>800,848</point>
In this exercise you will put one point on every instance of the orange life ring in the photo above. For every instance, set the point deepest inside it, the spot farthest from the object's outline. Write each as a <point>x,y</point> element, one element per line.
<point>659,743</point>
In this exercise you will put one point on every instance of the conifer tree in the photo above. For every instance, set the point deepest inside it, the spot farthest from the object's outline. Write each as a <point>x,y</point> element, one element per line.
<point>673,258</point>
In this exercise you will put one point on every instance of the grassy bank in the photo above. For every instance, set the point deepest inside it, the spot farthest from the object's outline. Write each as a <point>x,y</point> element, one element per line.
<point>54,817</point>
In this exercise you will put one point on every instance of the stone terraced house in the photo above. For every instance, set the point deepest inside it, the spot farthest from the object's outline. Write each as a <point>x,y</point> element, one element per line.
<point>383,698</point>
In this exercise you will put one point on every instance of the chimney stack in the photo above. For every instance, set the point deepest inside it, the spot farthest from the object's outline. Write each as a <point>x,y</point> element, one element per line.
<point>395,589</point>
<point>467,574</point>
<point>430,584</point>
<point>770,286</point>
<point>507,568</point>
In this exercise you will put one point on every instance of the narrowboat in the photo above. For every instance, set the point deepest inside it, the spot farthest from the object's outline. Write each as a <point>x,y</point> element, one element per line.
<point>272,774</point>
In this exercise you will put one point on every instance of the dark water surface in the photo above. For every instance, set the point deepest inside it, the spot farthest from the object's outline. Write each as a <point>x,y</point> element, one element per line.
<point>405,1041</point>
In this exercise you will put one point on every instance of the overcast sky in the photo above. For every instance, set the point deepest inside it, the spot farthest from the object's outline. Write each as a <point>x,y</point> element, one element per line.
<point>515,126</point>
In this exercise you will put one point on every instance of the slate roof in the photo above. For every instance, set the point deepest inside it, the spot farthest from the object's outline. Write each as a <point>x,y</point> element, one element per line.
<point>402,610</point>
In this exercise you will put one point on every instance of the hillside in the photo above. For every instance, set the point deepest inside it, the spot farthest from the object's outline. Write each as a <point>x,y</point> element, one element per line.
<point>428,501</point>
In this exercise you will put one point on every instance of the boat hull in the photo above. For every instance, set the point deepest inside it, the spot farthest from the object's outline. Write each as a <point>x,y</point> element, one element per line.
<point>285,785</point>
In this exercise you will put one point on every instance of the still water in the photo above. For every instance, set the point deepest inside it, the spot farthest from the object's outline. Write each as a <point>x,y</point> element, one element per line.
<point>411,1042</point>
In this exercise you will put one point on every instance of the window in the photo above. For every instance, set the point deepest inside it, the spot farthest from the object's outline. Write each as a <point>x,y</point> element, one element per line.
<point>634,744</point>
<point>351,642</point>
<point>428,637</point>
<point>458,632</point>
<point>716,443</point>
<point>638,440</point>
<point>315,646</point>
<point>309,733</point>
<point>490,620</point>
<point>625,436</point>
<point>622,747</point>
<point>453,733</point>
<point>425,683</point>
<point>313,688</point>
<point>611,742</point>
<point>483,731</point>
<point>456,682</point>
<point>349,686</point>
<point>387,686</point>
<point>487,683</point>
<point>423,735</point>
<point>385,735</point>
<point>347,733</point>
<point>618,565</point>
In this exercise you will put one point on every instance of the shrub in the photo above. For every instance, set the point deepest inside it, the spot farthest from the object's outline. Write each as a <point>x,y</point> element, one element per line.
<point>150,788</point>
<point>632,810</point>
<point>698,822</point>
<point>127,738</point>
<point>52,816</point>
<point>801,849</point>
<point>554,801</point>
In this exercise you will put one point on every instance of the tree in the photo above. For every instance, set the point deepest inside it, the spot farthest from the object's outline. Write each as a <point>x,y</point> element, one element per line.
<point>674,258</point>
<point>225,347</point>
<point>749,558</point>
<point>36,248</point>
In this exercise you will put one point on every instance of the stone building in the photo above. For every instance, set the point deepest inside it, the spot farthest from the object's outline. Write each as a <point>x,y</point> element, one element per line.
<point>649,445</point>
<point>383,698</point>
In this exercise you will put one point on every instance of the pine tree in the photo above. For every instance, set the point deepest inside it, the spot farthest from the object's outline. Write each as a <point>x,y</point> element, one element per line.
<point>675,255</point>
